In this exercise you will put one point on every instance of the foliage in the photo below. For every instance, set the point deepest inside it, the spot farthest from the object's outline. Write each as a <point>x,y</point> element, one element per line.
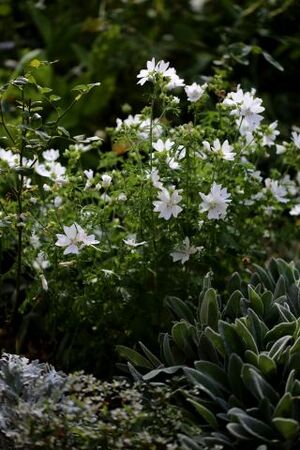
<point>241,355</point>
<point>172,198</point>
<point>44,409</point>
<point>107,40</point>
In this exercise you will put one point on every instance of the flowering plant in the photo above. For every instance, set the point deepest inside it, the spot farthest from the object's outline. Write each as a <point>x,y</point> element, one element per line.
<point>188,186</point>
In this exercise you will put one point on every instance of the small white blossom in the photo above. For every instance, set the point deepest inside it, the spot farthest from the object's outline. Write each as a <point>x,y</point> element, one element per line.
<point>161,146</point>
<point>194,91</point>
<point>152,70</point>
<point>296,139</point>
<point>89,175</point>
<point>278,191</point>
<point>295,211</point>
<point>216,202</point>
<point>280,148</point>
<point>270,135</point>
<point>122,197</point>
<point>197,5</point>
<point>74,239</point>
<point>167,203</point>
<point>185,251</point>
<point>155,178</point>
<point>44,282</point>
<point>41,262</point>
<point>51,155</point>
<point>57,201</point>
<point>224,150</point>
<point>106,180</point>
<point>131,241</point>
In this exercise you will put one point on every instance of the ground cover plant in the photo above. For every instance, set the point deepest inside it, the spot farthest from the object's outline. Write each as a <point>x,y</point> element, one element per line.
<point>94,251</point>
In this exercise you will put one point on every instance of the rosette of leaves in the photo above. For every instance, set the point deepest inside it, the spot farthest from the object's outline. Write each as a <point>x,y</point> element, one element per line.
<point>242,358</point>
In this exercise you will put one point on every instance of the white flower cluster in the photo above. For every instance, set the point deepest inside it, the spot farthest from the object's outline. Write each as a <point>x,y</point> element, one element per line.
<point>74,239</point>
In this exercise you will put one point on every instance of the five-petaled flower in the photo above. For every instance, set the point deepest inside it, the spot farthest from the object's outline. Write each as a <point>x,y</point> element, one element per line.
<point>183,253</point>
<point>167,203</point>
<point>216,202</point>
<point>74,239</point>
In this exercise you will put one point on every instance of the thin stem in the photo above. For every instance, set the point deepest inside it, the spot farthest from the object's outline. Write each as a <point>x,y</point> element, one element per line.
<point>4,124</point>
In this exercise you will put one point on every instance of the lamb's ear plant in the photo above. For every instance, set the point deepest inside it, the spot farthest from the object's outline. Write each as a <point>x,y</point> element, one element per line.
<point>240,353</point>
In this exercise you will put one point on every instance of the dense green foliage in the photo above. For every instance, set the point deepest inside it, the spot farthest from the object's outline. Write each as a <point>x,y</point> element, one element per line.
<point>240,351</point>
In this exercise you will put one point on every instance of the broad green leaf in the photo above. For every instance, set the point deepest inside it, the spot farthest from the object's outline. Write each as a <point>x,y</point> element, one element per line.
<point>289,428</point>
<point>133,356</point>
<point>257,385</point>
<point>266,365</point>
<point>183,333</point>
<point>246,336</point>
<point>161,371</point>
<point>180,309</point>
<point>151,357</point>
<point>278,347</point>
<point>166,350</point>
<point>214,372</point>
<point>285,406</point>
<point>255,301</point>
<point>265,277</point>
<point>233,306</point>
<point>231,339</point>
<point>205,413</point>
<point>280,330</point>
<point>216,340</point>
<point>238,431</point>
<point>209,309</point>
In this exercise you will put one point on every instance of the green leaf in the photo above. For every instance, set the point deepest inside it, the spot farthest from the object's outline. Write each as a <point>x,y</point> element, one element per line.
<point>233,306</point>
<point>278,347</point>
<point>285,406</point>
<point>255,301</point>
<point>231,339</point>
<point>180,309</point>
<point>257,326</point>
<point>289,428</point>
<point>133,356</point>
<point>246,335</point>
<point>265,277</point>
<point>209,309</point>
<point>205,413</point>
<point>238,431</point>
<point>163,370</point>
<point>266,365</point>
<point>257,385</point>
<point>151,357</point>
<point>214,372</point>
<point>216,340</point>
<point>235,366</point>
<point>280,330</point>
<point>256,427</point>
<point>183,333</point>
<point>166,350</point>
<point>280,288</point>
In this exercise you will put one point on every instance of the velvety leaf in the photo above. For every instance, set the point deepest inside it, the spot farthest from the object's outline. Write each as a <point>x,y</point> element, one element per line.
<point>205,413</point>
<point>209,309</point>
<point>289,428</point>
<point>285,406</point>
<point>180,309</point>
<point>257,385</point>
<point>133,356</point>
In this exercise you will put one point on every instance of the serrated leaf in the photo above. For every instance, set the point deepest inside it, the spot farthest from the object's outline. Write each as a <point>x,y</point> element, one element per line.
<point>289,428</point>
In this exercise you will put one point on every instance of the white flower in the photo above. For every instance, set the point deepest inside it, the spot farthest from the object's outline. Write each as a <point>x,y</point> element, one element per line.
<point>280,148</point>
<point>122,197</point>
<point>195,91</point>
<point>53,170</point>
<point>74,239</point>
<point>51,155</point>
<point>224,150</point>
<point>57,201</point>
<point>41,262</point>
<point>246,107</point>
<point>296,139</point>
<point>167,203</point>
<point>270,135</point>
<point>216,202</point>
<point>106,180</point>
<point>295,211</point>
<point>89,175</point>
<point>152,70</point>
<point>131,241</point>
<point>183,253</point>
<point>172,163</point>
<point>155,178</point>
<point>278,191</point>
<point>197,5</point>
<point>44,282</point>
<point>174,80</point>
<point>161,146</point>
